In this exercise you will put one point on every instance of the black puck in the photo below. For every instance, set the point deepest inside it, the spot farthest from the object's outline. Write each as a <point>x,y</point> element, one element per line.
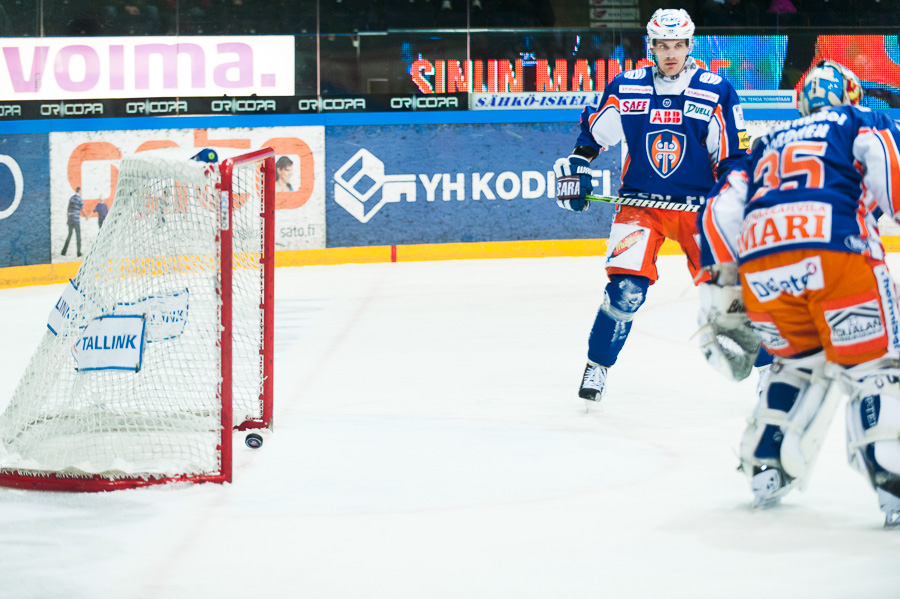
<point>253,441</point>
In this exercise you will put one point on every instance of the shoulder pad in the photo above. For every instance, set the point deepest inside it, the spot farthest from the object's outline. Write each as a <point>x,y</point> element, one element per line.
<point>635,73</point>
<point>709,78</point>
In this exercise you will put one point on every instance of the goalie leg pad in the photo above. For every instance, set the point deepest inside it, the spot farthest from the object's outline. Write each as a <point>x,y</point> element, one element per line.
<point>788,425</point>
<point>809,421</point>
<point>873,438</point>
<point>776,400</point>
<point>763,358</point>
<point>623,295</point>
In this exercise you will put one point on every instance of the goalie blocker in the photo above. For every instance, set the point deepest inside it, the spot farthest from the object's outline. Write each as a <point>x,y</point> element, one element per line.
<point>162,344</point>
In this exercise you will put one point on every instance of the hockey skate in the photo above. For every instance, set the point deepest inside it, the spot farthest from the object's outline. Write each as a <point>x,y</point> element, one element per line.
<point>769,484</point>
<point>889,502</point>
<point>890,505</point>
<point>593,383</point>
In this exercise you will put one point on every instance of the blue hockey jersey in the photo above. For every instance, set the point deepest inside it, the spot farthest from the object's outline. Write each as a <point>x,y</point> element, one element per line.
<point>819,181</point>
<point>680,132</point>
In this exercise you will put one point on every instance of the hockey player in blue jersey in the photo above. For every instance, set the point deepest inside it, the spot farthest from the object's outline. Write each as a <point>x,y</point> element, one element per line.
<point>683,127</point>
<point>799,218</point>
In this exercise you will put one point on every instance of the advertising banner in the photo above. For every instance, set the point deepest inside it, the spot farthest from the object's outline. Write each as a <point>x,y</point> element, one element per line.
<point>24,204</point>
<point>456,183</point>
<point>768,99</point>
<point>88,160</point>
<point>535,101</point>
<point>114,342</point>
<point>79,68</point>
<point>749,62</point>
<point>225,105</point>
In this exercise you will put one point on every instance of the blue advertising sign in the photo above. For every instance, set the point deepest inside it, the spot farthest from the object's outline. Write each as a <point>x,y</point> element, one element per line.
<point>24,200</point>
<point>414,184</point>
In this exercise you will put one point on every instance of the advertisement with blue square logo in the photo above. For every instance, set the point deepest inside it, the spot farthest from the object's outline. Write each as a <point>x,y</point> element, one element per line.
<point>420,184</point>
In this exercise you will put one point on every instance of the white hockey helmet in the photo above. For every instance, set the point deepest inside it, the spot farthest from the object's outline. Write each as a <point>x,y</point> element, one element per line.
<point>671,24</point>
<point>829,84</point>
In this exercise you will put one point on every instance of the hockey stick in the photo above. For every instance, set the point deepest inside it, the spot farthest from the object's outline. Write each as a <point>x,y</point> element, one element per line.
<point>644,203</point>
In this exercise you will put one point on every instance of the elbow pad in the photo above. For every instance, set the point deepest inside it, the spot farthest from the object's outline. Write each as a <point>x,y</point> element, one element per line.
<point>586,152</point>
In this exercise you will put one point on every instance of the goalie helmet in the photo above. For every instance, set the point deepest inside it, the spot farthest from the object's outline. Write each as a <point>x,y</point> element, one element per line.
<point>829,84</point>
<point>671,24</point>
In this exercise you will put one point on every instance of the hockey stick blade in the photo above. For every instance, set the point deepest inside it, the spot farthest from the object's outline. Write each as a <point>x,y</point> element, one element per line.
<point>644,203</point>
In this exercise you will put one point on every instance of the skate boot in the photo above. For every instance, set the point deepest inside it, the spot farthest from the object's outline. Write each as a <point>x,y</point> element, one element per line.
<point>769,484</point>
<point>593,383</point>
<point>890,505</point>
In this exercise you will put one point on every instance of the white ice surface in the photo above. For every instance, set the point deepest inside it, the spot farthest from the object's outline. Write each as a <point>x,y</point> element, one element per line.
<point>429,444</point>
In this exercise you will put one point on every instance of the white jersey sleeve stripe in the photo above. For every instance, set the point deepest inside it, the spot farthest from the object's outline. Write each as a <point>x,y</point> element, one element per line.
<point>723,217</point>
<point>606,124</point>
<point>878,152</point>
<point>893,170</point>
<point>717,138</point>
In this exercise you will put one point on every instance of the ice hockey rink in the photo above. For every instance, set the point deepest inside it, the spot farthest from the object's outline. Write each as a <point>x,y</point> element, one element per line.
<point>429,443</point>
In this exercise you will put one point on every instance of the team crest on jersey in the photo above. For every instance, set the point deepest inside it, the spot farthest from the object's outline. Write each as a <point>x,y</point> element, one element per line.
<point>627,242</point>
<point>665,149</point>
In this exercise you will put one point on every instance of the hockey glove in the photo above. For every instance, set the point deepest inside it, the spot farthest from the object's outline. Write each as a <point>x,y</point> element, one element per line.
<point>726,338</point>
<point>573,182</point>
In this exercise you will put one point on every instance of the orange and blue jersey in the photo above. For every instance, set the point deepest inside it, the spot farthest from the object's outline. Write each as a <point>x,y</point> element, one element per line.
<point>680,132</point>
<point>817,182</point>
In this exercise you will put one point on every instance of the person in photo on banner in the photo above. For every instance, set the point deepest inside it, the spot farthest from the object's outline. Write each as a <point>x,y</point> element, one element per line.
<point>284,168</point>
<point>74,212</point>
<point>684,128</point>
<point>797,222</point>
<point>101,210</point>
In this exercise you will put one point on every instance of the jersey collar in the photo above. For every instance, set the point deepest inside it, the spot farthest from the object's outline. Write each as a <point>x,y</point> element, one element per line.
<point>689,67</point>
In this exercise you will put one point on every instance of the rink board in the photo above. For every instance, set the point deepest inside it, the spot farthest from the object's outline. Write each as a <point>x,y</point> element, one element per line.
<point>378,187</point>
<point>45,274</point>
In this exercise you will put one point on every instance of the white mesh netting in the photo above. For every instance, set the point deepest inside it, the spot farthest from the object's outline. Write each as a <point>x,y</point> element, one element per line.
<point>158,257</point>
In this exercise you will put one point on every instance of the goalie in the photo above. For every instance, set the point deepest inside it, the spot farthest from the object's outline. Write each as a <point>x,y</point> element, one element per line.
<point>799,217</point>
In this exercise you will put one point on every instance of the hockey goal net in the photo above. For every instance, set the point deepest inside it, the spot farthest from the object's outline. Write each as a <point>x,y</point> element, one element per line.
<point>161,345</point>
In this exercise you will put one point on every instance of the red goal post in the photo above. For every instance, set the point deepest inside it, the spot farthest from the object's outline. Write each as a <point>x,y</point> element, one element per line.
<point>162,344</point>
